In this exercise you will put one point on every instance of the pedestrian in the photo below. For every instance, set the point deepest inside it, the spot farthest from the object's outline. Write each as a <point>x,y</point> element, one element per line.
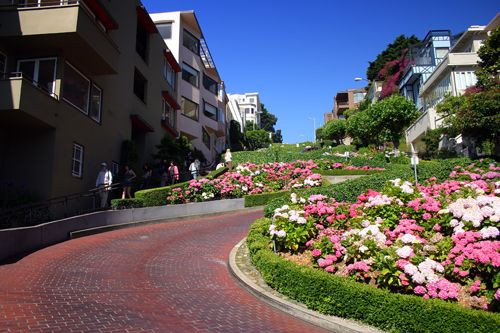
<point>228,158</point>
<point>194,168</point>
<point>103,184</point>
<point>146,177</point>
<point>164,173</point>
<point>128,176</point>
<point>173,172</point>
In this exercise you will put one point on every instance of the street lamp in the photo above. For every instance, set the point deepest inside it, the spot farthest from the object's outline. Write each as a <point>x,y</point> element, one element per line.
<point>358,79</point>
<point>314,127</point>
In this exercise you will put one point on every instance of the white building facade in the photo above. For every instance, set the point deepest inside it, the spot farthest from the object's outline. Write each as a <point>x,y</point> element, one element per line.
<point>200,89</point>
<point>245,107</point>
<point>452,76</point>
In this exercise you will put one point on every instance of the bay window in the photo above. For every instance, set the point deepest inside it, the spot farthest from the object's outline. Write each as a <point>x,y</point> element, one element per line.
<point>189,108</point>
<point>81,92</point>
<point>206,138</point>
<point>169,74</point>
<point>190,74</point>
<point>210,84</point>
<point>165,30</point>
<point>191,42</point>
<point>168,114</point>
<point>210,111</point>
<point>41,72</point>
<point>77,160</point>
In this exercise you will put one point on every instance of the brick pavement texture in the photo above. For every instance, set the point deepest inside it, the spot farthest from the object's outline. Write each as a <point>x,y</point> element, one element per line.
<point>165,277</point>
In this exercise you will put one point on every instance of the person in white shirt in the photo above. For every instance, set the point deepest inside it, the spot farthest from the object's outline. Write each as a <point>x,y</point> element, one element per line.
<point>103,183</point>
<point>194,168</point>
<point>228,159</point>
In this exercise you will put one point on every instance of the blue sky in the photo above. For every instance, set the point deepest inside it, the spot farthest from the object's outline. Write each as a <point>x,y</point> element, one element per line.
<point>298,54</point>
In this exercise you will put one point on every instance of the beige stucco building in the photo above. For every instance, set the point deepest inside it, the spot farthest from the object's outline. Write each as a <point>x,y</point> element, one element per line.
<point>201,93</point>
<point>78,79</point>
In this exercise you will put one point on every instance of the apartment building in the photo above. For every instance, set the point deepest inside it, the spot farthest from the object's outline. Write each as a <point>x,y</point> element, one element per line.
<point>454,74</point>
<point>201,90</point>
<point>345,100</point>
<point>81,77</point>
<point>422,59</point>
<point>327,116</point>
<point>245,108</point>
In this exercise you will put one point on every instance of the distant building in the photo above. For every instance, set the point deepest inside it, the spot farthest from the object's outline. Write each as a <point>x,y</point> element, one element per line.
<point>328,116</point>
<point>374,91</point>
<point>454,73</point>
<point>345,100</point>
<point>201,90</point>
<point>245,107</point>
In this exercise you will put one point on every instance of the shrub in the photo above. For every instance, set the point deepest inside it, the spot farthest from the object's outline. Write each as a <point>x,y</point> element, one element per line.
<point>263,198</point>
<point>340,296</point>
<point>157,196</point>
<point>117,204</point>
<point>217,173</point>
<point>344,172</point>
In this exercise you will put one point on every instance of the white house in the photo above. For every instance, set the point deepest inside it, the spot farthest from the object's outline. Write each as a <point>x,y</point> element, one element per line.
<point>245,107</point>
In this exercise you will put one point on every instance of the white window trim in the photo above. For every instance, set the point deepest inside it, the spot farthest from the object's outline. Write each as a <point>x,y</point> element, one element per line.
<point>37,68</point>
<point>93,85</point>
<point>188,69</point>
<point>86,112</point>
<point>80,160</point>
<point>168,68</point>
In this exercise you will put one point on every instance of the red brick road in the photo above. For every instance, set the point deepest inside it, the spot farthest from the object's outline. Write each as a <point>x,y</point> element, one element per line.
<point>167,277</point>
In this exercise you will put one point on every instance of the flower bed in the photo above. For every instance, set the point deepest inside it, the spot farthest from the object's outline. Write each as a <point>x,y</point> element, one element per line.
<point>247,179</point>
<point>437,240</point>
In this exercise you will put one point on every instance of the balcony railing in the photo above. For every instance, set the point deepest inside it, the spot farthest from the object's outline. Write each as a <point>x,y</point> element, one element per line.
<point>20,75</point>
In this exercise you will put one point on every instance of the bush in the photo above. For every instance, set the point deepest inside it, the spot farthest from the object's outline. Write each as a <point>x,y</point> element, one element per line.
<point>340,296</point>
<point>117,204</point>
<point>217,173</point>
<point>344,172</point>
<point>156,196</point>
<point>263,198</point>
<point>350,189</point>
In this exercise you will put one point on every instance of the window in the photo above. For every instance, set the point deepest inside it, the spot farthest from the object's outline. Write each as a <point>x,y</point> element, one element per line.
<point>252,111</point>
<point>252,100</point>
<point>441,53</point>
<point>169,74</point>
<point>247,110</point>
<point>115,168</point>
<point>140,85</point>
<point>463,80</point>
<point>77,160</point>
<point>206,138</point>
<point>189,108</point>
<point>210,84</point>
<point>141,41</point>
<point>168,114</point>
<point>191,42</point>
<point>210,111</point>
<point>165,30</point>
<point>81,93</point>
<point>190,74</point>
<point>220,115</point>
<point>358,97</point>
<point>3,63</point>
<point>42,72</point>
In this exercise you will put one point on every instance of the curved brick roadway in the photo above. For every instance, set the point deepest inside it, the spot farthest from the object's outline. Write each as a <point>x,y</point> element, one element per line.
<point>169,277</point>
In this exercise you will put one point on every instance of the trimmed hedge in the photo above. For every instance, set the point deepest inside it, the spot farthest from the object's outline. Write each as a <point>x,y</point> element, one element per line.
<point>351,189</point>
<point>158,196</point>
<point>117,204</point>
<point>344,172</point>
<point>343,297</point>
<point>263,198</point>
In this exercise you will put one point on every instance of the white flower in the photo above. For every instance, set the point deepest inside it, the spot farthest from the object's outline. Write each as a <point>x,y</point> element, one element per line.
<point>301,220</point>
<point>418,278</point>
<point>244,188</point>
<point>281,234</point>
<point>293,198</point>
<point>365,223</point>
<point>410,269</point>
<point>363,249</point>
<point>489,232</point>
<point>409,239</point>
<point>404,252</point>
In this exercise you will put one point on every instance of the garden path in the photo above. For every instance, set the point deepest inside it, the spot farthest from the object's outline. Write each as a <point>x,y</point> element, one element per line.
<point>164,277</point>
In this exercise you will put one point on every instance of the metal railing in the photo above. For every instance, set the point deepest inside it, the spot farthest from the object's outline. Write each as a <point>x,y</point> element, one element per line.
<point>21,75</point>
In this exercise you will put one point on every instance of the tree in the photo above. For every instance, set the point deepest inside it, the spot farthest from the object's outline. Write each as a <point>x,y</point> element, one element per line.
<point>391,117</point>
<point>235,136</point>
<point>267,119</point>
<point>359,127</point>
<point>277,138</point>
<point>393,51</point>
<point>334,130</point>
<point>489,52</point>
<point>257,139</point>
<point>475,116</point>
<point>175,150</point>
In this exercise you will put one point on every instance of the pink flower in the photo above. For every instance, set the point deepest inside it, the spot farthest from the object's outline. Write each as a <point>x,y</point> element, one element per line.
<point>426,216</point>
<point>316,252</point>
<point>419,290</point>
<point>330,269</point>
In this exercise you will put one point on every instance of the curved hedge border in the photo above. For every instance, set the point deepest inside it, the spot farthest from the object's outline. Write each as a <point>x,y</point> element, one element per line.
<point>339,296</point>
<point>344,172</point>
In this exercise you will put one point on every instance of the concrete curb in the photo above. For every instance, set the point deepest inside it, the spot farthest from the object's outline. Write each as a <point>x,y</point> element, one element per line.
<point>331,323</point>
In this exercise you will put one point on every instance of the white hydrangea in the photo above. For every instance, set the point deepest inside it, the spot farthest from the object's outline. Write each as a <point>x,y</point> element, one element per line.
<point>489,232</point>
<point>409,239</point>
<point>404,252</point>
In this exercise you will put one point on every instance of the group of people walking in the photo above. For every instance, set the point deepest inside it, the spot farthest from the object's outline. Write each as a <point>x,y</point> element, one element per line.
<point>168,174</point>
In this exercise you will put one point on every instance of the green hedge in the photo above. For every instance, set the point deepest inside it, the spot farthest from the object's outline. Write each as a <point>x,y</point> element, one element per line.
<point>126,203</point>
<point>217,173</point>
<point>351,189</point>
<point>340,296</point>
<point>263,198</point>
<point>343,172</point>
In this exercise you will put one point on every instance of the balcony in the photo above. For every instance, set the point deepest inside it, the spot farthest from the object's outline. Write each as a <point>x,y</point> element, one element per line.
<point>70,29</point>
<point>24,105</point>
<point>427,120</point>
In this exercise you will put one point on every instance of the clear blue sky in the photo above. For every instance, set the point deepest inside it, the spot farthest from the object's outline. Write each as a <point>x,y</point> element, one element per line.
<point>297,53</point>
